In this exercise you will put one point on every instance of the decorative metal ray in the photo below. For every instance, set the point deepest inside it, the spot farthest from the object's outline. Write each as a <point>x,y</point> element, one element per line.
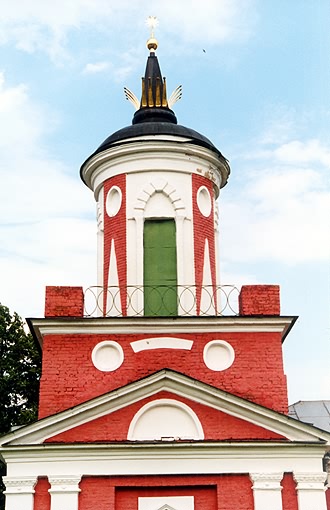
<point>175,96</point>
<point>130,96</point>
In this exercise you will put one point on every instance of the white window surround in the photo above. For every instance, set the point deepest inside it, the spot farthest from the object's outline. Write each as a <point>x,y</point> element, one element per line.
<point>171,204</point>
<point>204,201</point>
<point>165,419</point>
<point>113,201</point>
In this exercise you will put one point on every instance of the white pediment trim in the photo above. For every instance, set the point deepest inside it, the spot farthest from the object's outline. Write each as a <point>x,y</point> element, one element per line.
<point>178,384</point>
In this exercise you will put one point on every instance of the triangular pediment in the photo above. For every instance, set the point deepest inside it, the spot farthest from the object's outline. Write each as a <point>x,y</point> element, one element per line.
<point>178,385</point>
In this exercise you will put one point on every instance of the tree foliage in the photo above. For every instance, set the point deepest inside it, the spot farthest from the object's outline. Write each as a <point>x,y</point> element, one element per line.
<point>20,366</point>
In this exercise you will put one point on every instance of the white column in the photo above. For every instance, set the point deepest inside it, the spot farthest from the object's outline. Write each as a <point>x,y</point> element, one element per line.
<point>19,492</point>
<point>267,491</point>
<point>311,490</point>
<point>64,492</point>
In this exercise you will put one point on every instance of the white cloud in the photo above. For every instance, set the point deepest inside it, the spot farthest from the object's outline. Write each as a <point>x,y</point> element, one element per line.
<point>282,210</point>
<point>311,151</point>
<point>96,67</point>
<point>42,26</point>
<point>45,238</point>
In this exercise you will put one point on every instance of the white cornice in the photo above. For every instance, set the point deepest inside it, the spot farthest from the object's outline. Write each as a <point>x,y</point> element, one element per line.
<point>162,459</point>
<point>178,384</point>
<point>158,325</point>
<point>157,154</point>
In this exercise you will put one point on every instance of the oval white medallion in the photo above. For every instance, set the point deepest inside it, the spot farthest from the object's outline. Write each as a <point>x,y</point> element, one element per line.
<point>218,355</point>
<point>204,201</point>
<point>113,201</point>
<point>107,356</point>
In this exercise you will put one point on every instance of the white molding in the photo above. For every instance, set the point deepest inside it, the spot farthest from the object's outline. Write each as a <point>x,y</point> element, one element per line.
<point>158,325</point>
<point>156,155</point>
<point>20,492</point>
<point>64,491</point>
<point>267,490</point>
<point>178,384</point>
<point>162,458</point>
<point>113,209</point>
<point>19,484</point>
<point>204,201</point>
<point>113,359</point>
<point>311,490</point>
<point>267,481</point>
<point>214,360</point>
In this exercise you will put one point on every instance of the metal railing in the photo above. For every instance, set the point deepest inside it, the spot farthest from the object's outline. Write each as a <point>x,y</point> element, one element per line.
<point>161,300</point>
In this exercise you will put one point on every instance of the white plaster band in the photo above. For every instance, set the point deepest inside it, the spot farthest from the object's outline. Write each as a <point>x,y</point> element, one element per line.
<point>163,342</point>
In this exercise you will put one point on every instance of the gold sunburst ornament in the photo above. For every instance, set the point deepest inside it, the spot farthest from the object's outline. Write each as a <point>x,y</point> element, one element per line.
<point>152,43</point>
<point>148,99</point>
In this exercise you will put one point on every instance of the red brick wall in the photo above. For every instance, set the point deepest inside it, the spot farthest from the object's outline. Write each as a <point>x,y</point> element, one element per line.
<point>259,300</point>
<point>289,493</point>
<point>203,229</point>
<point>97,493</point>
<point>115,230</point>
<point>64,302</point>
<point>327,495</point>
<point>69,377</point>
<point>209,492</point>
<point>42,496</point>
<point>235,493</point>
<point>114,427</point>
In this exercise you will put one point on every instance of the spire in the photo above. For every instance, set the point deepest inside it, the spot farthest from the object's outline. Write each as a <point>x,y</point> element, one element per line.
<point>154,106</point>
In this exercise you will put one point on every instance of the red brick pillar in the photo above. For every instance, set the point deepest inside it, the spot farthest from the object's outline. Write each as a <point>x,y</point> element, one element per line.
<point>259,300</point>
<point>64,302</point>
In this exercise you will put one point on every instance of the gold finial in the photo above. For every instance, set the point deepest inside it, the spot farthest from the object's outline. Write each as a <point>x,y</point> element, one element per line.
<point>152,23</point>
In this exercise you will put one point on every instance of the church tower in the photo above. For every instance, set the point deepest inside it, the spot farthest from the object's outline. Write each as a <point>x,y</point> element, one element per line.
<point>155,184</point>
<point>160,401</point>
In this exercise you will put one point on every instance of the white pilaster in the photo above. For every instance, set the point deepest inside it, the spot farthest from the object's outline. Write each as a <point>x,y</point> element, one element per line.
<point>311,490</point>
<point>19,492</point>
<point>267,491</point>
<point>64,492</point>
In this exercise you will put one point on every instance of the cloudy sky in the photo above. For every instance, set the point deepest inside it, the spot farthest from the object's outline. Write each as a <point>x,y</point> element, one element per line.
<point>256,81</point>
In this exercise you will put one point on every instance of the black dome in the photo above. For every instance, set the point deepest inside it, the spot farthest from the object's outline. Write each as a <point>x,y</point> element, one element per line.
<point>126,134</point>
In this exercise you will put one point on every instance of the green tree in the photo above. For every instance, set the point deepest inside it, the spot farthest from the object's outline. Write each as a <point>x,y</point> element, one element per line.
<point>20,366</point>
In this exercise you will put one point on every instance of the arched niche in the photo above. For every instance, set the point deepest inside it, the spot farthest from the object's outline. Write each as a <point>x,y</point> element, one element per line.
<point>165,419</point>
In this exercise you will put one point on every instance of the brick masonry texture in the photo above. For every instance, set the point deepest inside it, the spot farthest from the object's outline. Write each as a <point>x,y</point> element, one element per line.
<point>64,302</point>
<point>115,230</point>
<point>210,492</point>
<point>42,496</point>
<point>259,300</point>
<point>70,378</point>
<point>203,229</point>
<point>114,427</point>
<point>289,493</point>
